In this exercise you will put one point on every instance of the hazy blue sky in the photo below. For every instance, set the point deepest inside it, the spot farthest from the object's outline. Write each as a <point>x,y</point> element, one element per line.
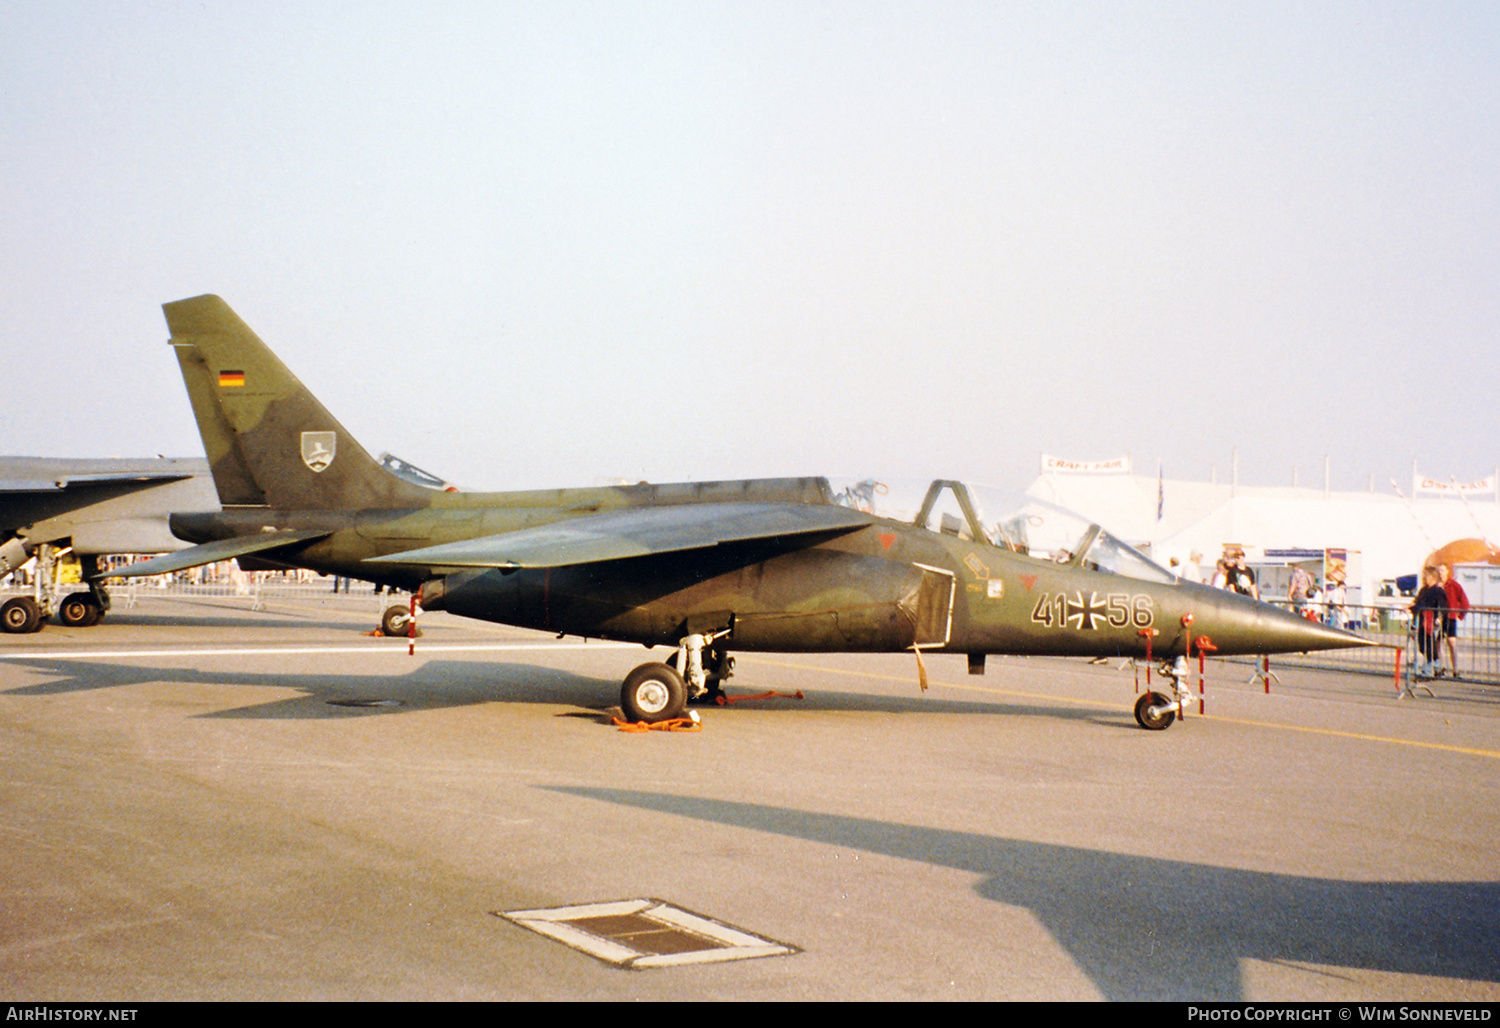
<point>528,244</point>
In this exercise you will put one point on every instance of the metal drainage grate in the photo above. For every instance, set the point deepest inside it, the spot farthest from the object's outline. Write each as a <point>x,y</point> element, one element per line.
<point>643,933</point>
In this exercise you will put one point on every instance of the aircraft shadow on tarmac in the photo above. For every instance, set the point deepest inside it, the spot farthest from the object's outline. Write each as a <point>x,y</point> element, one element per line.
<point>434,684</point>
<point>1147,928</point>
<point>437,684</point>
<point>899,702</point>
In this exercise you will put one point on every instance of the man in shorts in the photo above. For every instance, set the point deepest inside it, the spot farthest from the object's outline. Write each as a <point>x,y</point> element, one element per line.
<point>1458,607</point>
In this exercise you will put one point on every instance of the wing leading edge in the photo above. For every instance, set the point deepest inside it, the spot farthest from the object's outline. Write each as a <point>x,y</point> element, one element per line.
<point>635,532</point>
<point>219,549</point>
<point>28,501</point>
<point>78,483</point>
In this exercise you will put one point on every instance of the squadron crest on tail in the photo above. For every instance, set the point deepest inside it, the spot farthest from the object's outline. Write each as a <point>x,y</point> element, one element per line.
<point>319,449</point>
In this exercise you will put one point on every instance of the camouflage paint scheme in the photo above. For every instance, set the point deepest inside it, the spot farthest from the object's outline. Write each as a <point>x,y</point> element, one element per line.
<point>759,565</point>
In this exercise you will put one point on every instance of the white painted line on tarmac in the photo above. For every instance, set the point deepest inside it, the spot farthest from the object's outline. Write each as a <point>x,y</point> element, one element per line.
<point>394,646</point>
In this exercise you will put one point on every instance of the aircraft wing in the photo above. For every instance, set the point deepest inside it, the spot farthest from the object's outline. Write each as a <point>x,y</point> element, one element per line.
<point>635,532</point>
<point>219,549</point>
<point>25,501</point>
<point>73,482</point>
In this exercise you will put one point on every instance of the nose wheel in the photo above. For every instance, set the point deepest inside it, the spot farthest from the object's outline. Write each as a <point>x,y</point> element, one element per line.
<point>1154,712</point>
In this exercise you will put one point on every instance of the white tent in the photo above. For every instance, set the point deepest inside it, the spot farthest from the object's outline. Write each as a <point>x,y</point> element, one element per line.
<point>1391,534</point>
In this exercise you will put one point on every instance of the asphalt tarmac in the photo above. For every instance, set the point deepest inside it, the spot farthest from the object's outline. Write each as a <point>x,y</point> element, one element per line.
<point>192,810</point>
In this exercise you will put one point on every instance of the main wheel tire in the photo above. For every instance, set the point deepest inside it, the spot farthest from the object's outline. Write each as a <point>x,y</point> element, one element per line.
<point>1143,712</point>
<point>652,693</point>
<point>20,615</point>
<point>78,610</point>
<point>396,621</point>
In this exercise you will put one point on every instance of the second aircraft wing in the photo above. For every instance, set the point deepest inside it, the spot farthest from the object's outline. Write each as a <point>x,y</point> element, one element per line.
<point>635,532</point>
<point>219,549</point>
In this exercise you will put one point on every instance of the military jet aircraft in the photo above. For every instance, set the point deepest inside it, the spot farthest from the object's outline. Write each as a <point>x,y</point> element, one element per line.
<point>710,568</point>
<point>93,507</point>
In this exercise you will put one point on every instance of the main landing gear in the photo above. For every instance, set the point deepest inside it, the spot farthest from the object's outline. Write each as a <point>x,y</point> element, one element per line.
<point>23,614</point>
<point>20,615</point>
<point>82,610</point>
<point>652,693</point>
<point>659,692</point>
<point>1156,712</point>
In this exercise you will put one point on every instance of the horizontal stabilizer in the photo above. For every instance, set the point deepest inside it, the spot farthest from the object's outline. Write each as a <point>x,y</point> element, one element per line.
<point>635,532</point>
<point>219,549</point>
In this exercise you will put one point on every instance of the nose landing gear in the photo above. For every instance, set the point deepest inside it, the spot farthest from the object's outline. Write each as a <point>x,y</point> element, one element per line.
<point>1155,711</point>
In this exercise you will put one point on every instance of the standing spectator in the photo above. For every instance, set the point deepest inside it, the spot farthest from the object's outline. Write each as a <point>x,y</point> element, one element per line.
<point>1193,572</point>
<point>1239,578</point>
<point>1427,618</point>
<point>1296,592</point>
<point>1337,595</point>
<point>1457,608</point>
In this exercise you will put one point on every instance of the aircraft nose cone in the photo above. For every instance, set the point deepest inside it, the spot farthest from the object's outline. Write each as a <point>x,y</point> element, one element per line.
<point>1238,624</point>
<point>1292,633</point>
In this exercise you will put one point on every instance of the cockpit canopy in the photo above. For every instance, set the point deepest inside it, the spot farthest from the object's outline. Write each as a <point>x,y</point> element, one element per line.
<point>408,472</point>
<point>1001,518</point>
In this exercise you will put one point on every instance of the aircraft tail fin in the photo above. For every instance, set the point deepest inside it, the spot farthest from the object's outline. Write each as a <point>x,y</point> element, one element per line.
<point>269,441</point>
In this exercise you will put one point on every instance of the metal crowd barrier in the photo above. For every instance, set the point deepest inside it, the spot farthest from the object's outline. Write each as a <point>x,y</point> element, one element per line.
<point>252,589</point>
<point>1476,645</point>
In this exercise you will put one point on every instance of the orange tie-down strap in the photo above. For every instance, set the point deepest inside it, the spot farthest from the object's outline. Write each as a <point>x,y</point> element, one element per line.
<point>676,724</point>
<point>724,701</point>
<point>687,724</point>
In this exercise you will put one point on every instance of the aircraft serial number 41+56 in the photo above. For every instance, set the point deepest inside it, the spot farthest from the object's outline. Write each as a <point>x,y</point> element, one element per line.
<point>710,568</point>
